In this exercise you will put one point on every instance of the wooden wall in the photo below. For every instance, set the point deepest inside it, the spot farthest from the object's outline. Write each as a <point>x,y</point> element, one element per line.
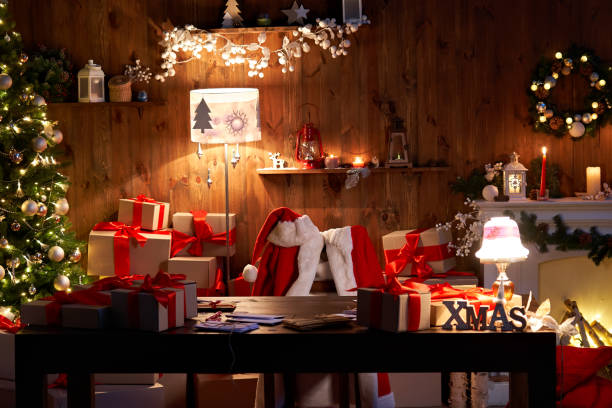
<point>456,71</point>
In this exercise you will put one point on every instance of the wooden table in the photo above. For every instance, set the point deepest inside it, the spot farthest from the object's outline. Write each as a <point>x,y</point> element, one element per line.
<point>80,353</point>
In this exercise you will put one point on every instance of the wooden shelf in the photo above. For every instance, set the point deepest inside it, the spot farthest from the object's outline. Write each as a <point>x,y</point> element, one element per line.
<point>111,104</point>
<point>247,30</point>
<point>267,172</point>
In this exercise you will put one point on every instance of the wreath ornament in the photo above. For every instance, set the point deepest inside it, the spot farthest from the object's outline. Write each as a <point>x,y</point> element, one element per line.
<point>597,110</point>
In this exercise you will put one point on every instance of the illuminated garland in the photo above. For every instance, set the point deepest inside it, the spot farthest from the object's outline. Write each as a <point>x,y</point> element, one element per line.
<point>184,44</point>
<point>597,110</point>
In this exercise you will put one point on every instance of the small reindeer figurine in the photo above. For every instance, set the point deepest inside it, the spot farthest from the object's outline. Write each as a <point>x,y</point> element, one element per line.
<point>277,163</point>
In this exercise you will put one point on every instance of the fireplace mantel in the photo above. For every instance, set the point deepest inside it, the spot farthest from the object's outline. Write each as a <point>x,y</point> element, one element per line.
<point>576,213</point>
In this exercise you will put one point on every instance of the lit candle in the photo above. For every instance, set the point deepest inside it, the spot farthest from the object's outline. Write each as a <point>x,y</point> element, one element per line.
<point>593,180</point>
<point>332,162</point>
<point>358,162</point>
<point>543,177</point>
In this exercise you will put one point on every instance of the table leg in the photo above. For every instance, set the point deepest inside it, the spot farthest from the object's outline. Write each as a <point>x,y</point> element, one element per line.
<point>30,386</point>
<point>290,383</point>
<point>190,390</point>
<point>269,394</point>
<point>542,386</point>
<point>80,390</point>
<point>343,380</point>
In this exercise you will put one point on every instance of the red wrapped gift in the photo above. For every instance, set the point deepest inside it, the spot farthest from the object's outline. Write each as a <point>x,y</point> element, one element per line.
<point>395,307</point>
<point>420,252</point>
<point>144,212</point>
<point>199,233</point>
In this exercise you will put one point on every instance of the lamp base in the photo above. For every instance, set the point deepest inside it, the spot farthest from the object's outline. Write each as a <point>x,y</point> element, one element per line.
<point>502,278</point>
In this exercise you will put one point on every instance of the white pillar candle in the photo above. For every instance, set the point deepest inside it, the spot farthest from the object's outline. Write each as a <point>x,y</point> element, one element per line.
<point>593,180</point>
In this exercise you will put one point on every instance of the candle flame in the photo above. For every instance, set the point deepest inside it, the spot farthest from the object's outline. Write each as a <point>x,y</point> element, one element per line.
<point>544,151</point>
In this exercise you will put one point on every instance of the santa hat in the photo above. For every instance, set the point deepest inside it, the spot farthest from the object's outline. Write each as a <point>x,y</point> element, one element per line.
<point>352,259</point>
<point>288,249</point>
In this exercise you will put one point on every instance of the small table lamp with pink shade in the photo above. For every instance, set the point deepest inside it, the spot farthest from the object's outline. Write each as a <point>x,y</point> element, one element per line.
<point>501,245</point>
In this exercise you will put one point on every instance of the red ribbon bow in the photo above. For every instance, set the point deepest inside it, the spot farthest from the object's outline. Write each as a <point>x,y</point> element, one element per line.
<point>408,254</point>
<point>203,233</point>
<point>166,298</point>
<point>89,296</point>
<point>137,210</point>
<point>115,282</point>
<point>121,243</point>
<point>9,326</point>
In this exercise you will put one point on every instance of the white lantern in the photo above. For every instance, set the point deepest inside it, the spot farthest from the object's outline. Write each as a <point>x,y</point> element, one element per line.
<point>351,11</point>
<point>91,83</point>
<point>515,179</point>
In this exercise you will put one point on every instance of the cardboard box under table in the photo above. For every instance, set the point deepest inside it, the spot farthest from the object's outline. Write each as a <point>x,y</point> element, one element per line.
<point>143,260</point>
<point>144,212</point>
<point>183,222</point>
<point>432,243</point>
<point>391,312</point>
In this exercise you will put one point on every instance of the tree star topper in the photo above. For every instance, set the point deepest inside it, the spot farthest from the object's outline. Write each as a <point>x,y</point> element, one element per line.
<point>296,13</point>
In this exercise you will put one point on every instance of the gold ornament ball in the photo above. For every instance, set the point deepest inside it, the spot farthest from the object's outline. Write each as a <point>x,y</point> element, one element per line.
<point>62,207</point>
<point>56,253</point>
<point>2,273</point>
<point>4,242</point>
<point>61,283</point>
<point>58,136</point>
<point>42,210</point>
<point>39,100</point>
<point>15,226</point>
<point>39,144</point>
<point>13,263</point>
<point>5,82</point>
<point>29,207</point>
<point>15,156</point>
<point>48,130</point>
<point>75,256</point>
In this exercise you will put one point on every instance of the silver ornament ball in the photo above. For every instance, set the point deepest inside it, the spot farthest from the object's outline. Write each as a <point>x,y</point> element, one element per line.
<point>56,253</point>
<point>39,100</point>
<point>58,136</point>
<point>489,192</point>
<point>48,130</point>
<point>577,129</point>
<point>39,144</point>
<point>75,256</point>
<point>61,283</point>
<point>62,207</point>
<point>5,82</point>
<point>29,207</point>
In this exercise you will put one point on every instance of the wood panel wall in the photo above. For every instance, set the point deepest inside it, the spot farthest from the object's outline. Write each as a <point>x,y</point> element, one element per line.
<point>456,71</point>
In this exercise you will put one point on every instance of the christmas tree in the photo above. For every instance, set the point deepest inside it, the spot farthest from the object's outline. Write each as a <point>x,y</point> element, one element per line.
<point>231,16</point>
<point>202,117</point>
<point>37,252</point>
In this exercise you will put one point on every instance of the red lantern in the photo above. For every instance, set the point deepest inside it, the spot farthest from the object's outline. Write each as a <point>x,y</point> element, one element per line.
<point>308,148</point>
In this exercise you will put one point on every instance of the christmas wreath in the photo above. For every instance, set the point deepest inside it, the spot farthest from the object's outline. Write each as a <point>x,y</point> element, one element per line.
<point>50,73</point>
<point>597,108</point>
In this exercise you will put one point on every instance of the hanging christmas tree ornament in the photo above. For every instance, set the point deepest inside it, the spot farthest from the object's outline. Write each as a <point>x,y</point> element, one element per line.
<point>5,82</point>
<point>32,290</point>
<point>13,263</point>
<point>57,137</point>
<point>57,218</point>
<point>586,118</point>
<point>29,207</point>
<point>61,283</point>
<point>19,192</point>
<point>576,130</point>
<point>75,256</point>
<point>541,107</point>
<point>36,258</point>
<point>39,100</point>
<point>23,58</point>
<point>2,272</point>
<point>56,253</point>
<point>15,156</point>
<point>42,210</point>
<point>39,144</point>
<point>15,226</point>
<point>3,242</point>
<point>43,198</point>
<point>48,130</point>
<point>61,206</point>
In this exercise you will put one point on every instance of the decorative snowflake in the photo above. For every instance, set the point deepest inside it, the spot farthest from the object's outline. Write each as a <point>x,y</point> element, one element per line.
<point>236,122</point>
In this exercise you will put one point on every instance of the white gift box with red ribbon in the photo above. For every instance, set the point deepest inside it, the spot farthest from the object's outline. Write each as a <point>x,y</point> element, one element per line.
<point>144,212</point>
<point>433,244</point>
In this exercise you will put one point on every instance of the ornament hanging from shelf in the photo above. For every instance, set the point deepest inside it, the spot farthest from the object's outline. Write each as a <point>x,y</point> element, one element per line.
<point>231,15</point>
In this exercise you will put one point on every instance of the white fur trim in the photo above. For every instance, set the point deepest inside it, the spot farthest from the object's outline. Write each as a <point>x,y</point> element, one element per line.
<point>339,245</point>
<point>303,233</point>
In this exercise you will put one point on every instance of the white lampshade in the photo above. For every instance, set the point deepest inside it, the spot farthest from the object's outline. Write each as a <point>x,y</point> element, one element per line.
<point>501,242</point>
<point>224,115</point>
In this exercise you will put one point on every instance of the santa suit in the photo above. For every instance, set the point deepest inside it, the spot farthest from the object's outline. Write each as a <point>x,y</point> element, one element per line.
<point>288,250</point>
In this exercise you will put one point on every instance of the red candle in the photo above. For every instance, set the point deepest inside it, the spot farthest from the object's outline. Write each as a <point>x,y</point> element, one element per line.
<point>543,178</point>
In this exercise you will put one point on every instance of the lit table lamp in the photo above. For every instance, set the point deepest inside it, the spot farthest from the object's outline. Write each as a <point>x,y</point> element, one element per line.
<point>501,245</point>
<point>225,115</point>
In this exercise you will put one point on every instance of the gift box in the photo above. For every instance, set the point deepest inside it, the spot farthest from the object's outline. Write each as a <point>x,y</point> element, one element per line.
<point>139,309</point>
<point>7,355</point>
<point>7,394</point>
<point>393,312</point>
<point>116,249</point>
<point>212,237</point>
<point>190,294</point>
<point>455,281</point>
<point>86,316</point>
<point>114,396</point>
<point>129,378</point>
<point>226,390</point>
<point>430,243</point>
<point>35,313</point>
<point>440,314</point>
<point>201,269</point>
<point>144,212</point>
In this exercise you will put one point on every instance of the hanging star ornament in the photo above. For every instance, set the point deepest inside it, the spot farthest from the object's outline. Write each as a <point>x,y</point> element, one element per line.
<point>296,13</point>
